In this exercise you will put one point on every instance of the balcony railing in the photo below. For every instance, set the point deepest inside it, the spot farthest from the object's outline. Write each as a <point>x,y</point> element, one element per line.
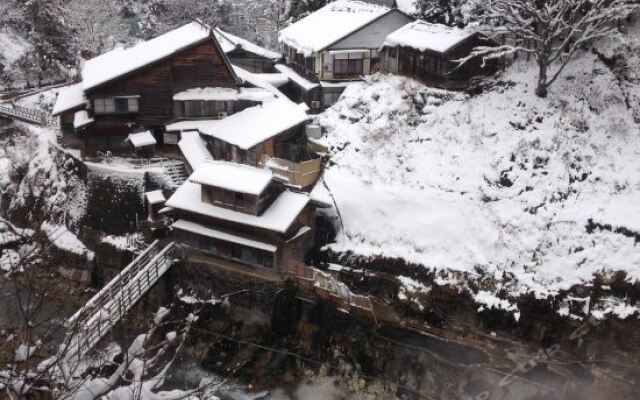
<point>300,175</point>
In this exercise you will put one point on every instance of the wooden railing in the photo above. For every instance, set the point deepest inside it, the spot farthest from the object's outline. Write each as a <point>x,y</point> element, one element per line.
<point>301,175</point>
<point>29,115</point>
<point>108,306</point>
<point>330,288</point>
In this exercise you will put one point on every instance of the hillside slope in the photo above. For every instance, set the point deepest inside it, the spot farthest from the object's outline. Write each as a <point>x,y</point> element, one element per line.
<point>518,193</point>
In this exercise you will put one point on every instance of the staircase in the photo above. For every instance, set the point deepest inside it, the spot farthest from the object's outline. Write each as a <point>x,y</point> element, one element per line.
<point>176,172</point>
<point>96,318</point>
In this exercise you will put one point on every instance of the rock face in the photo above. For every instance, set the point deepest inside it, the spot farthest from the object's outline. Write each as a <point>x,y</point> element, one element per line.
<point>279,336</point>
<point>114,201</point>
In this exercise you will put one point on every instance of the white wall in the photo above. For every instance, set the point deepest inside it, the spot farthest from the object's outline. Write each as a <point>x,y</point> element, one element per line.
<point>373,35</point>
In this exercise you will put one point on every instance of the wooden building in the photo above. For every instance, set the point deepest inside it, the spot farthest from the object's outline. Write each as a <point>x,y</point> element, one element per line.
<point>271,135</point>
<point>247,55</point>
<point>339,43</point>
<point>430,53</point>
<point>148,85</point>
<point>238,217</point>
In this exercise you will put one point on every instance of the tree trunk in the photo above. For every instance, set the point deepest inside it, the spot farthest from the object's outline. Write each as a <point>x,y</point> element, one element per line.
<point>541,88</point>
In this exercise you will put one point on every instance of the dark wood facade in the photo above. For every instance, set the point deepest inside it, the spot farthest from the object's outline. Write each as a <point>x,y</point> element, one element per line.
<point>152,87</point>
<point>241,202</point>
<point>250,61</point>
<point>290,247</point>
<point>442,69</point>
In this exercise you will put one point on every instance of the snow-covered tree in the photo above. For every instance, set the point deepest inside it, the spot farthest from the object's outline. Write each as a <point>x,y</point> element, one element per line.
<point>551,31</point>
<point>9,14</point>
<point>301,8</point>
<point>448,12</point>
<point>178,12</point>
<point>95,25</point>
<point>44,31</point>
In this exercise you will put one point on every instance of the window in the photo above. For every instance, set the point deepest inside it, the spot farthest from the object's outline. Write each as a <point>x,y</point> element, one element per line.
<point>310,64</point>
<point>251,157</point>
<point>330,98</point>
<point>247,255</point>
<point>392,52</point>
<point>104,106</point>
<point>236,252</point>
<point>347,67</point>
<point>122,106</point>
<point>240,199</point>
<point>229,198</point>
<point>115,105</point>
<point>193,108</point>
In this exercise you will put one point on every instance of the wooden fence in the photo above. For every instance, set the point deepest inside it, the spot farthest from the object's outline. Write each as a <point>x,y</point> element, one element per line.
<point>327,287</point>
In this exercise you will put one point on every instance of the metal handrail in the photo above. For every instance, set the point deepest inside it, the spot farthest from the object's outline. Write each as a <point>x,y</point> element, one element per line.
<point>122,297</point>
<point>36,116</point>
<point>129,270</point>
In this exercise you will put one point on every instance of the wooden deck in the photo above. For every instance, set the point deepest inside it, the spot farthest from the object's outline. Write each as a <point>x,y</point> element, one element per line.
<point>299,175</point>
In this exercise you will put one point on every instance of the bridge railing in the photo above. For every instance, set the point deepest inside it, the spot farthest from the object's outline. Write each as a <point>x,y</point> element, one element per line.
<point>100,298</point>
<point>125,292</point>
<point>30,115</point>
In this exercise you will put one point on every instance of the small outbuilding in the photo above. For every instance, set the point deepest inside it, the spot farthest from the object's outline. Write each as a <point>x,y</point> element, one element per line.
<point>155,201</point>
<point>144,143</point>
<point>431,53</point>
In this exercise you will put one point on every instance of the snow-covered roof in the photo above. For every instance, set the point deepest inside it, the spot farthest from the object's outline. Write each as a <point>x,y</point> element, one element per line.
<point>320,194</point>
<point>296,77</point>
<point>69,98</point>
<point>155,197</point>
<point>81,118</point>
<point>251,126</point>
<point>141,139</point>
<point>329,24</point>
<point>421,35</point>
<point>278,217</point>
<point>230,42</point>
<point>224,94</point>
<point>224,236</point>
<point>277,79</point>
<point>257,80</point>
<point>194,149</point>
<point>231,176</point>
<point>118,62</point>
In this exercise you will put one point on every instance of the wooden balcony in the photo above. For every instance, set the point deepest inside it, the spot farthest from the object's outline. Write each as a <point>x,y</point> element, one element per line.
<point>300,175</point>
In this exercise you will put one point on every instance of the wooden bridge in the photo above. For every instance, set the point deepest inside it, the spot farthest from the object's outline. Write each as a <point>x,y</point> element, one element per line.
<point>96,318</point>
<point>28,115</point>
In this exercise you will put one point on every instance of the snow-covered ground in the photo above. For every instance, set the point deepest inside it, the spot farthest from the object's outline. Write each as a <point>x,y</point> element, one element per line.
<point>502,185</point>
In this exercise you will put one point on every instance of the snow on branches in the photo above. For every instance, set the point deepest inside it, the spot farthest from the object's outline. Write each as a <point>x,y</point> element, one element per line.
<point>551,31</point>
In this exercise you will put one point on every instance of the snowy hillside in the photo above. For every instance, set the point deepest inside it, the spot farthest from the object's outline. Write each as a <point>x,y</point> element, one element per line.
<point>536,194</point>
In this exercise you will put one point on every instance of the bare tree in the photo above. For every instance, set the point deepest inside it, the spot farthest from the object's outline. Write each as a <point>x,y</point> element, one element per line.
<point>551,31</point>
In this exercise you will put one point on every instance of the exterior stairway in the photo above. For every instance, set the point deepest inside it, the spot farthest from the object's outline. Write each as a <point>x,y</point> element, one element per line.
<point>95,319</point>
<point>175,171</point>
